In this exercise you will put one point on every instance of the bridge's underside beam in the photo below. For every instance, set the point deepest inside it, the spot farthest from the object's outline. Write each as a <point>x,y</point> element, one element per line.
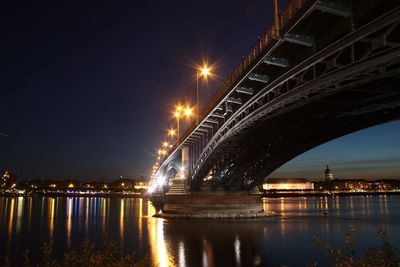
<point>199,134</point>
<point>258,77</point>
<point>300,39</point>
<point>207,126</point>
<point>276,61</point>
<point>334,7</point>
<point>245,90</point>
<point>201,130</point>
<point>234,100</point>
<point>209,120</point>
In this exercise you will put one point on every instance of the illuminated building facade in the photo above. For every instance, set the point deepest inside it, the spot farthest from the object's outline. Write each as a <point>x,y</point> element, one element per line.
<point>287,184</point>
<point>141,185</point>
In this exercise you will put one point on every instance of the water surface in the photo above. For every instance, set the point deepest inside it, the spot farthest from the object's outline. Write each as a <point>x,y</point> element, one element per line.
<point>287,239</point>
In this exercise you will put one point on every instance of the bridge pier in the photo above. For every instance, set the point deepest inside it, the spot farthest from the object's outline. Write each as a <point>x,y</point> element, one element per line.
<point>213,205</point>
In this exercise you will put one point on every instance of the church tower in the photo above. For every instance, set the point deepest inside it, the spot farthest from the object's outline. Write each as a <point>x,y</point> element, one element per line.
<point>328,174</point>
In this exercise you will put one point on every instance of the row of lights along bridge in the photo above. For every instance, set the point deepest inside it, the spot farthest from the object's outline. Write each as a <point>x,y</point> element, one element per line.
<point>179,113</point>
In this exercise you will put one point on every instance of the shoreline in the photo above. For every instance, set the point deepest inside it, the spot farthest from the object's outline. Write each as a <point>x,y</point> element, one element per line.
<point>140,195</point>
<point>327,194</point>
<point>59,194</point>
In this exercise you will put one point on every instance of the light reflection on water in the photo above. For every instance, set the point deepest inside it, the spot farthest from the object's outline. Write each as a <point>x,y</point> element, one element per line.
<point>121,220</point>
<point>11,221</point>
<point>25,223</point>
<point>51,216</point>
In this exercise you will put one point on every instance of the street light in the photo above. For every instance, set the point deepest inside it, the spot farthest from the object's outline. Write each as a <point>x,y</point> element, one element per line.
<point>171,132</point>
<point>179,112</point>
<point>204,71</point>
<point>165,144</point>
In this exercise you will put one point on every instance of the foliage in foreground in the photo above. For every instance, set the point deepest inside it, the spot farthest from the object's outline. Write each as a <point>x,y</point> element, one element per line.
<point>346,256</point>
<point>110,256</point>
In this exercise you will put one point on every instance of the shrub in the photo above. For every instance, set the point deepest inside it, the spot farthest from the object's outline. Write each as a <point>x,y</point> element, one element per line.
<point>110,256</point>
<point>384,255</point>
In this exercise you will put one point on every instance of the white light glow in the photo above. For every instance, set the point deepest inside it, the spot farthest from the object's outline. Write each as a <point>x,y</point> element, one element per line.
<point>160,179</point>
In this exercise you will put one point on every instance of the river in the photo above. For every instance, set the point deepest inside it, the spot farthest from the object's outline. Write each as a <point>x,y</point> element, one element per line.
<point>286,239</point>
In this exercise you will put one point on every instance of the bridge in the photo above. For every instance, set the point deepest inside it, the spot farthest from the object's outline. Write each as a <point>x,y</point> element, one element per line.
<point>323,69</point>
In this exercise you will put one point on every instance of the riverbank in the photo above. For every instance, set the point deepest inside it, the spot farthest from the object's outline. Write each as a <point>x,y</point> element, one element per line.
<point>130,194</point>
<point>75,194</point>
<point>328,193</point>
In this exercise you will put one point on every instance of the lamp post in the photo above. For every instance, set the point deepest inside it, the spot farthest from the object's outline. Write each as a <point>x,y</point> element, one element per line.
<point>276,19</point>
<point>177,115</point>
<point>204,71</point>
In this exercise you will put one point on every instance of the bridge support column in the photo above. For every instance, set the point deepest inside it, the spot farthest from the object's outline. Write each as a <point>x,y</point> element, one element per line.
<point>185,162</point>
<point>213,205</point>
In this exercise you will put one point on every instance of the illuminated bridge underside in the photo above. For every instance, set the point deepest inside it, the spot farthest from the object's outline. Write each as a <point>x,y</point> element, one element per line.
<point>313,84</point>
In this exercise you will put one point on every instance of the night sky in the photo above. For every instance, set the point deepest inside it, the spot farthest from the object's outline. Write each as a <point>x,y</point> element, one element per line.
<point>87,89</point>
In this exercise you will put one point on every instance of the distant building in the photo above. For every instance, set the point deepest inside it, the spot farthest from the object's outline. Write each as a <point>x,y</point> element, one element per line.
<point>343,185</point>
<point>8,180</point>
<point>141,184</point>
<point>385,184</point>
<point>4,179</point>
<point>328,174</point>
<point>35,183</point>
<point>287,184</point>
<point>122,184</point>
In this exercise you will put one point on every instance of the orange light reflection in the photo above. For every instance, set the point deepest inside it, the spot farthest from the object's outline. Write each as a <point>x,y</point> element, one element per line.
<point>121,220</point>
<point>140,230</point>
<point>158,247</point>
<point>11,219</point>
<point>104,213</point>
<point>51,217</point>
<point>20,210</point>
<point>69,221</point>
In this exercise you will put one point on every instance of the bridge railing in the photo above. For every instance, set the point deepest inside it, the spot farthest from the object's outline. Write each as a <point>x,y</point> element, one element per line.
<point>272,33</point>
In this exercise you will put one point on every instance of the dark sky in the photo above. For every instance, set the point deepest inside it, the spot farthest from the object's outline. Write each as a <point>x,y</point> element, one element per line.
<point>87,88</point>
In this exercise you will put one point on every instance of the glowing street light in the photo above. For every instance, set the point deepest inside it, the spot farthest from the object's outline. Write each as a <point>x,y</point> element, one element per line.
<point>165,144</point>
<point>171,132</point>
<point>160,180</point>
<point>188,112</point>
<point>178,113</point>
<point>204,71</point>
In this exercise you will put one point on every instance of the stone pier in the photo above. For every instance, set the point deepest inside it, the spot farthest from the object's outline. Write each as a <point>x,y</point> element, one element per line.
<point>213,205</point>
